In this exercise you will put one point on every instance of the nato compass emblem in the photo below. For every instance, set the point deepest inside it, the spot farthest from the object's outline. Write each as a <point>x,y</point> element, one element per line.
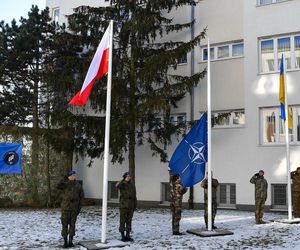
<point>196,154</point>
<point>11,158</point>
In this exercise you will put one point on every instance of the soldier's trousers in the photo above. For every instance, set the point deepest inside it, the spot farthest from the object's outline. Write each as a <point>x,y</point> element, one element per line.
<point>296,204</point>
<point>213,211</point>
<point>259,209</point>
<point>176,216</point>
<point>68,221</point>
<point>126,215</point>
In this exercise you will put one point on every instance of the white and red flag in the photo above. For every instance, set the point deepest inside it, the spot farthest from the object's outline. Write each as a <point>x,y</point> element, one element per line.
<point>98,68</point>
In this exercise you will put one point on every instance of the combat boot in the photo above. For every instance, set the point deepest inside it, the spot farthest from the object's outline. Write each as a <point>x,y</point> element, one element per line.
<point>128,238</point>
<point>123,236</point>
<point>65,242</point>
<point>71,241</point>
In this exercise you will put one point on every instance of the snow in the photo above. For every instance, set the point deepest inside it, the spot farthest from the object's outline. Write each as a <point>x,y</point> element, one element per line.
<point>40,229</point>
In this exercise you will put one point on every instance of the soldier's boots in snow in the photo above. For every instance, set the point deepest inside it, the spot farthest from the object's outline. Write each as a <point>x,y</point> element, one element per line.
<point>65,242</point>
<point>128,238</point>
<point>71,241</point>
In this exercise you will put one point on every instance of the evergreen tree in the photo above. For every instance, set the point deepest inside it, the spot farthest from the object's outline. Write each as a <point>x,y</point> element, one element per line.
<point>143,87</point>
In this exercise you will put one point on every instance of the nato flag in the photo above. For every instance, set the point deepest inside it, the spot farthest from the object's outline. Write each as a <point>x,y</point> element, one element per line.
<point>10,158</point>
<point>190,156</point>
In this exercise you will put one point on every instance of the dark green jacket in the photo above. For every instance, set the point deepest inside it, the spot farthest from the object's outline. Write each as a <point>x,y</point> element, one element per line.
<point>127,194</point>
<point>261,187</point>
<point>214,186</point>
<point>71,195</point>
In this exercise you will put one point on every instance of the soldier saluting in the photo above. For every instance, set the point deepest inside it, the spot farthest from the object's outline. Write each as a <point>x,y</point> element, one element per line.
<point>295,176</point>
<point>71,200</point>
<point>261,188</point>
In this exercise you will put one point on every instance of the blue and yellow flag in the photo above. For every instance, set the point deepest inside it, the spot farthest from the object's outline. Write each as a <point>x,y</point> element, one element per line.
<point>282,96</point>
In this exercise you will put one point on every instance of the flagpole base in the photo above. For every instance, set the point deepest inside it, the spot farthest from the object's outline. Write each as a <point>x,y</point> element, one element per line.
<point>202,232</point>
<point>287,221</point>
<point>96,244</point>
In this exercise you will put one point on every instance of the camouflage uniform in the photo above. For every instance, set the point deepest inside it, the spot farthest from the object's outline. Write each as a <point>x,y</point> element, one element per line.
<point>176,193</point>
<point>296,193</point>
<point>128,204</point>
<point>261,187</point>
<point>214,186</point>
<point>72,196</point>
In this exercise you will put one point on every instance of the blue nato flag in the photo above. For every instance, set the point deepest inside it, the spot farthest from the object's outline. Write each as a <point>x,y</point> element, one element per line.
<point>190,156</point>
<point>10,158</point>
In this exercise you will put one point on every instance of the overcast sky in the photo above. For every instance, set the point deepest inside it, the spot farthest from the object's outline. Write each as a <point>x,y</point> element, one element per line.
<point>10,9</point>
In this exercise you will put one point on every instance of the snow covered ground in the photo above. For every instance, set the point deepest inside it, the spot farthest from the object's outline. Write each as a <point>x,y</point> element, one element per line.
<point>40,229</point>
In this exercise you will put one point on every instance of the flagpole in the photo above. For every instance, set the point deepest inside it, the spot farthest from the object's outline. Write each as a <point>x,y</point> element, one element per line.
<point>209,207</point>
<point>287,143</point>
<point>106,143</point>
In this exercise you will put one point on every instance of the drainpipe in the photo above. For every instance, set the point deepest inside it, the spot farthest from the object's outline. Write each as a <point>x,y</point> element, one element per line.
<point>191,195</point>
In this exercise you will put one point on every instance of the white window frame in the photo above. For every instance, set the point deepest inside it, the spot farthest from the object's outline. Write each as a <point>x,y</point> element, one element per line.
<point>182,60</point>
<point>228,203</point>
<point>215,51</point>
<point>163,186</point>
<point>272,2</point>
<point>279,138</point>
<point>55,17</point>
<point>231,116</point>
<point>175,118</point>
<point>276,59</point>
<point>110,186</point>
<point>276,206</point>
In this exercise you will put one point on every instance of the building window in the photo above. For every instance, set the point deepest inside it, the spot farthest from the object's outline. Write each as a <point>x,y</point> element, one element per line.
<point>228,119</point>
<point>113,193</point>
<point>273,129</point>
<point>176,119</point>
<point>182,59</point>
<point>271,51</point>
<point>165,192</point>
<point>55,15</point>
<point>264,2</point>
<point>227,195</point>
<point>224,51</point>
<point>279,196</point>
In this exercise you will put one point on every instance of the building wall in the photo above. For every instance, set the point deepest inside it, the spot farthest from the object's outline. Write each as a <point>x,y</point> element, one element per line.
<point>237,153</point>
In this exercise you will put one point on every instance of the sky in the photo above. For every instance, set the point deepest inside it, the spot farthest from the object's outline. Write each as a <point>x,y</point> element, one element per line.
<point>10,9</point>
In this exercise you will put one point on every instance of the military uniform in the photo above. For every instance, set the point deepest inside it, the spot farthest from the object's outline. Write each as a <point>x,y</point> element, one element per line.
<point>128,203</point>
<point>261,187</point>
<point>214,185</point>
<point>176,193</point>
<point>71,199</point>
<point>296,193</point>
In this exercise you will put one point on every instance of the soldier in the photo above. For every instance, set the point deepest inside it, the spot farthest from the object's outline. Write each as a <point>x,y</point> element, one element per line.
<point>261,188</point>
<point>214,185</point>
<point>72,196</point>
<point>295,176</point>
<point>128,203</point>
<point>176,193</point>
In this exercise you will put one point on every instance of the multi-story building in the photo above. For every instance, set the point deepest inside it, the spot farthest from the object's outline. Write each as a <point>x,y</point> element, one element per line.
<point>247,39</point>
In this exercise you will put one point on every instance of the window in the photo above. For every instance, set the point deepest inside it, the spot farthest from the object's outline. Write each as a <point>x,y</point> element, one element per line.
<point>271,51</point>
<point>182,59</point>
<point>273,129</point>
<point>227,195</point>
<point>279,196</point>
<point>264,2</point>
<point>223,119</point>
<point>224,51</point>
<point>165,192</point>
<point>55,15</point>
<point>177,119</point>
<point>113,193</point>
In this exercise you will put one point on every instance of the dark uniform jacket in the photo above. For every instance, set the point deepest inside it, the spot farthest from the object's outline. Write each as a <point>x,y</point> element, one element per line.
<point>261,187</point>
<point>71,195</point>
<point>214,186</point>
<point>127,194</point>
<point>296,181</point>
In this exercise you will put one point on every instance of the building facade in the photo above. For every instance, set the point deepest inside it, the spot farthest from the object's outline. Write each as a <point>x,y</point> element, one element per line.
<point>247,40</point>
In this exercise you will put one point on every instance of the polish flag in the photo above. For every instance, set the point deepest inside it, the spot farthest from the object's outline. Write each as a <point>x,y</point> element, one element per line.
<point>98,68</point>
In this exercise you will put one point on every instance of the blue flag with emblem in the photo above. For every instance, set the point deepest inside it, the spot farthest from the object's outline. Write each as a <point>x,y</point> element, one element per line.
<point>10,158</point>
<point>190,156</point>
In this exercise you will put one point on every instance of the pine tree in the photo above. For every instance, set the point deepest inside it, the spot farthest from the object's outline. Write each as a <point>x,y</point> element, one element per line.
<point>144,84</point>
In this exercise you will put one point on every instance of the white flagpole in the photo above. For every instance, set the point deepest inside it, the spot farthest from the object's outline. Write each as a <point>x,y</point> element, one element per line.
<point>106,143</point>
<point>209,184</point>
<point>287,143</point>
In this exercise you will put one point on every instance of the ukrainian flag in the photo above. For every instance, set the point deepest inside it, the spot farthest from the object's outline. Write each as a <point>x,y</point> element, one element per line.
<point>282,96</point>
